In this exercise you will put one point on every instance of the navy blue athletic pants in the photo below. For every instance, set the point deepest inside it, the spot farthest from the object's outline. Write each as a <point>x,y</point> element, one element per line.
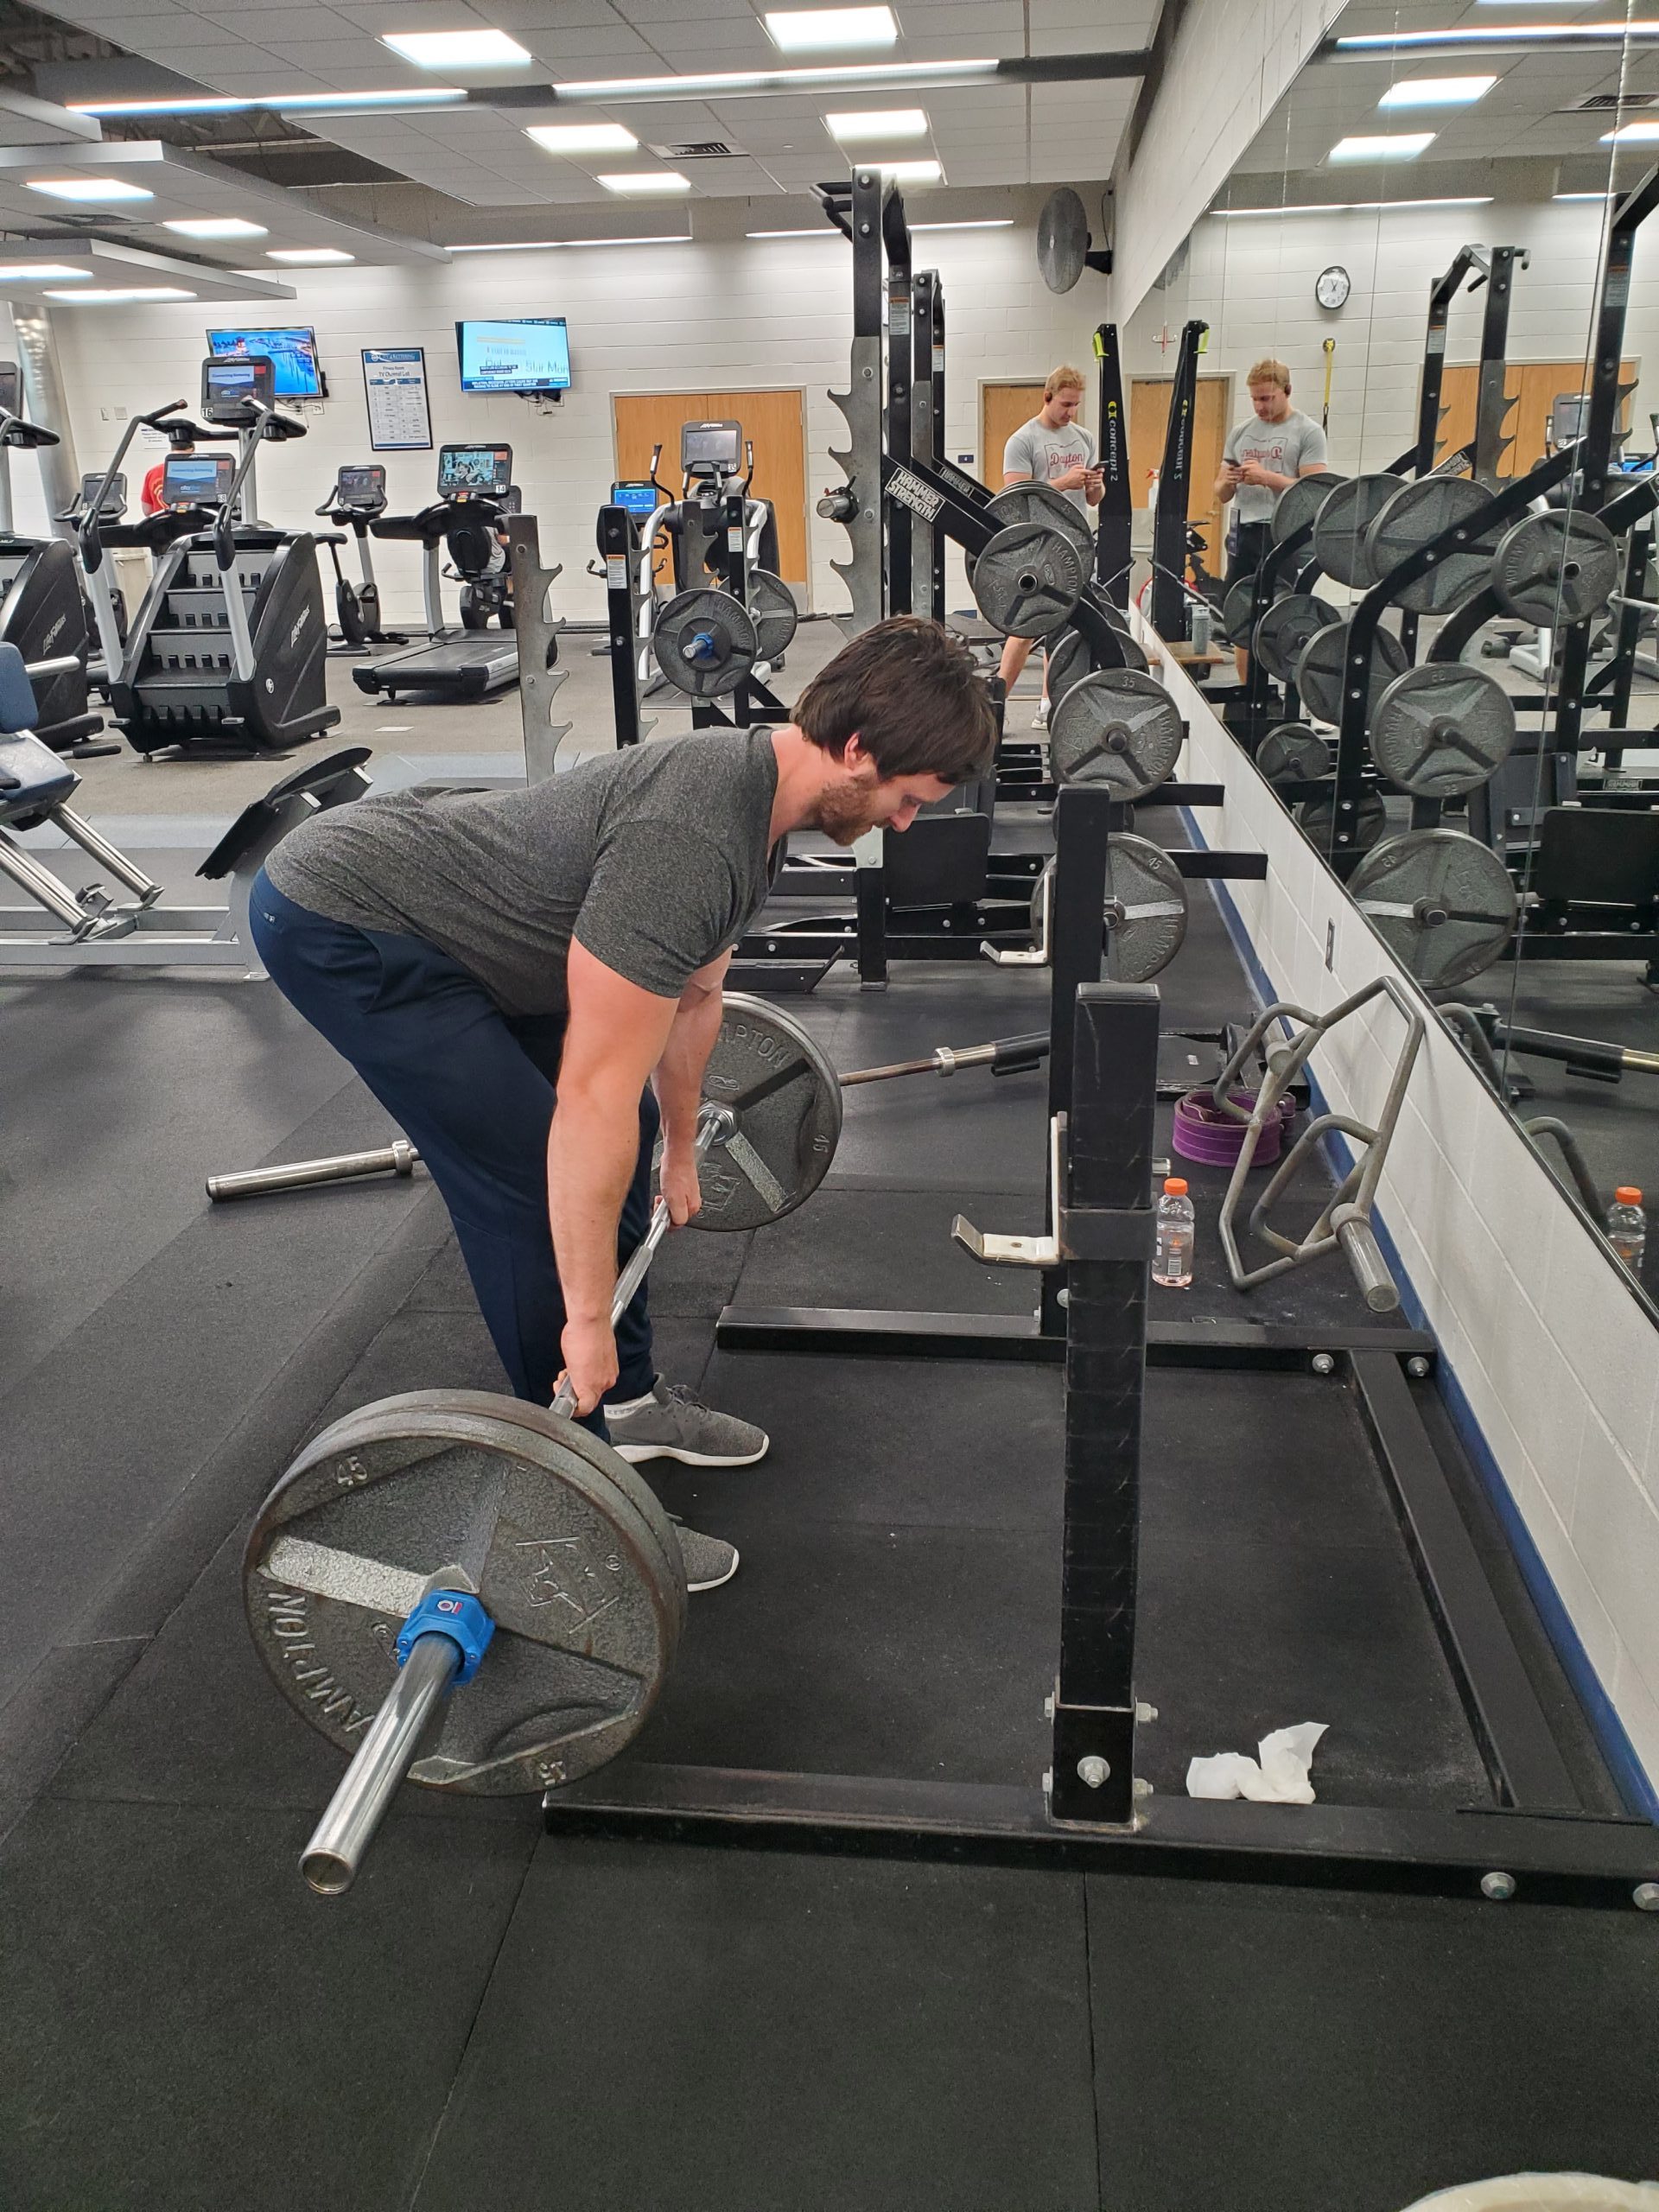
<point>471,1088</point>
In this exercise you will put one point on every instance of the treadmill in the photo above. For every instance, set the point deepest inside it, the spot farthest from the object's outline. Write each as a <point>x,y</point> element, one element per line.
<point>475,493</point>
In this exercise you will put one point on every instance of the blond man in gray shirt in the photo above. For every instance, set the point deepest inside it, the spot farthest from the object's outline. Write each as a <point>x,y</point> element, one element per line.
<point>1055,449</point>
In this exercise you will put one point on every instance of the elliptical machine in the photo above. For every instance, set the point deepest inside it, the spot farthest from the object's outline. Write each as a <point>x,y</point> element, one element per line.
<point>43,612</point>
<point>357,498</point>
<point>716,461</point>
<point>228,653</point>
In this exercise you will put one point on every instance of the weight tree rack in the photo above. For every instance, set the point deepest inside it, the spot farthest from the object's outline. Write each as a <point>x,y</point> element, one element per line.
<point>1531,1838</point>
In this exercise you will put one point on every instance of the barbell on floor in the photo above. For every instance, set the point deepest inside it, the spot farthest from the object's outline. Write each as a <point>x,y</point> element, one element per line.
<point>1002,1055</point>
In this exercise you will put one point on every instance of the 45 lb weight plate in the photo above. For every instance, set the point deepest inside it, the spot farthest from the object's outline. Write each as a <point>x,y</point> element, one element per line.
<point>1442,730</point>
<point>1418,512</point>
<point>1118,727</point>
<point>1555,567</point>
<point>1034,502</point>
<point>1443,904</point>
<point>1028,579</point>
<point>1145,918</point>
<point>785,1096</point>
<point>773,612</point>
<point>1299,506</point>
<point>1285,628</point>
<point>1292,753</point>
<point>1339,544</point>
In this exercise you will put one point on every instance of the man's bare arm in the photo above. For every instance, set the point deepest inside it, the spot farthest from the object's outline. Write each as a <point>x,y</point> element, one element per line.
<point>615,1036</point>
<point>678,1082</point>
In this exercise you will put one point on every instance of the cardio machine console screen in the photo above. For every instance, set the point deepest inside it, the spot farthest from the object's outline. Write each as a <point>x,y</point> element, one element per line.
<point>531,355</point>
<point>229,388</point>
<point>292,352</point>
<point>707,448</point>
<point>641,500</point>
<point>478,472</point>
<point>362,487</point>
<point>196,479</point>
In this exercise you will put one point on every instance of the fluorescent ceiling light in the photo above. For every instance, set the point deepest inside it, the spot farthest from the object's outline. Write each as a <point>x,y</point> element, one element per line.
<point>558,245</point>
<point>583,138</point>
<point>1348,207</point>
<point>405,96</point>
<point>859,127</point>
<point>1437,92</point>
<point>215,226</point>
<point>792,234</point>
<point>644,181</point>
<point>107,298</point>
<point>87,188</point>
<point>911,172</point>
<point>457,49</point>
<point>1386,146</point>
<point>832,30</point>
<point>22,272</point>
<point>309,257</point>
<point>1513,34</point>
<point>982,223</point>
<point>1583,195</point>
<point>849,77</point>
<point>1631,134</point>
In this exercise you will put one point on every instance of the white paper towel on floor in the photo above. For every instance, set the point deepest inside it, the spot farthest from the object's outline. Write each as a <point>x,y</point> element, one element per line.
<point>1279,1777</point>
<point>1546,2193</point>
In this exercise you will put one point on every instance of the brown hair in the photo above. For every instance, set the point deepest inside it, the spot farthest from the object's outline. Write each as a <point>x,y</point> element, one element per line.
<point>1065,378</point>
<point>1270,371</point>
<point>911,694</point>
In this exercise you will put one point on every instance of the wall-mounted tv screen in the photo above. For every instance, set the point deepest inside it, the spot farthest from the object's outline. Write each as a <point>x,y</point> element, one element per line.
<point>293,351</point>
<point>531,355</point>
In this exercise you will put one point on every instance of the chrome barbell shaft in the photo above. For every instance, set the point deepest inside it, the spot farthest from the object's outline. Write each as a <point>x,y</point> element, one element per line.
<point>329,1862</point>
<point>396,1159</point>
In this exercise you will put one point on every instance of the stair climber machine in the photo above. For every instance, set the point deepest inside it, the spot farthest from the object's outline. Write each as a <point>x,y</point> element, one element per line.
<point>357,497</point>
<point>42,611</point>
<point>228,653</point>
<point>108,495</point>
<point>468,521</point>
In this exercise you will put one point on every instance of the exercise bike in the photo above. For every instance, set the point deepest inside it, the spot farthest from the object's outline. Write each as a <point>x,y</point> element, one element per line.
<point>42,609</point>
<point>358,498</point>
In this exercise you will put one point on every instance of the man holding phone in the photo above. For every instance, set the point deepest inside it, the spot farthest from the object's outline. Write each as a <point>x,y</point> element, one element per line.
<point>1055,449</point>
<point>1261,460</point>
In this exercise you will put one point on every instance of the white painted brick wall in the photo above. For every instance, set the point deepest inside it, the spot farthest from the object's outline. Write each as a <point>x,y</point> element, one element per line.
<point>729,313</point>
<point>1558,1363</point>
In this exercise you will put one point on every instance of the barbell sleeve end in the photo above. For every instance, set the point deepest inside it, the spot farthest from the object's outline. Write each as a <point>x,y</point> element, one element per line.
<point>330,1860</point>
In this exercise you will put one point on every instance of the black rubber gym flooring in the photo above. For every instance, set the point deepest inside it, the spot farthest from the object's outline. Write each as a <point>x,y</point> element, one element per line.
<point>496,2014</point>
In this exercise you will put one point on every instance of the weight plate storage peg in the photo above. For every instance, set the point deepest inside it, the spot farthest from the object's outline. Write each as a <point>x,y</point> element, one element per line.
<point>1027,580</point>
<point>1340,531</point>
<point>1443,903</point>
<point>705,642</point>
<point>1442,730</point>
<point>1322,670</point>
<point>1301,503</point>
<point>1292,753</point>
<point>1285,628</point>
<point>1042,503</point>
<point>1555,567</point>
<point>783,1097</point>
<point>1418,513</point>
<point>578,1568</point>
<point>773,612</point>
<point>1117,728</point>
<point>1145,918</point>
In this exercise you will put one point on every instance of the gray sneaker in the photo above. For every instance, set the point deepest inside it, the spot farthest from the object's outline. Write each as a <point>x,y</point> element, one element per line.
<point>709,1561</point>
<point>675,1424</point>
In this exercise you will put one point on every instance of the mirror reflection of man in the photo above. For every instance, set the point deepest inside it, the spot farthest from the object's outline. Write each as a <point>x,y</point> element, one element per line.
<point>1261,460</point>
<point>1055,449</point>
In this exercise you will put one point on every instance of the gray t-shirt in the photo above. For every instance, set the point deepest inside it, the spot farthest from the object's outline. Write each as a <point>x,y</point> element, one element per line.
<point>654,857</point>
<point>1035,451</point>
<point>1287,448</point>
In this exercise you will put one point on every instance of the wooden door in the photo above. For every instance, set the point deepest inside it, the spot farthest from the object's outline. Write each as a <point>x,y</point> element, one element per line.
<point>1004,408</point>
<point>775,421</point>
<point>1148,422</point>
<point>1534,387</point>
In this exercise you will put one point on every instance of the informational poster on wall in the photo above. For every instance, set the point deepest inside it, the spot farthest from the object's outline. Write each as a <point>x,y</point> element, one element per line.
<point>400,419</point>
